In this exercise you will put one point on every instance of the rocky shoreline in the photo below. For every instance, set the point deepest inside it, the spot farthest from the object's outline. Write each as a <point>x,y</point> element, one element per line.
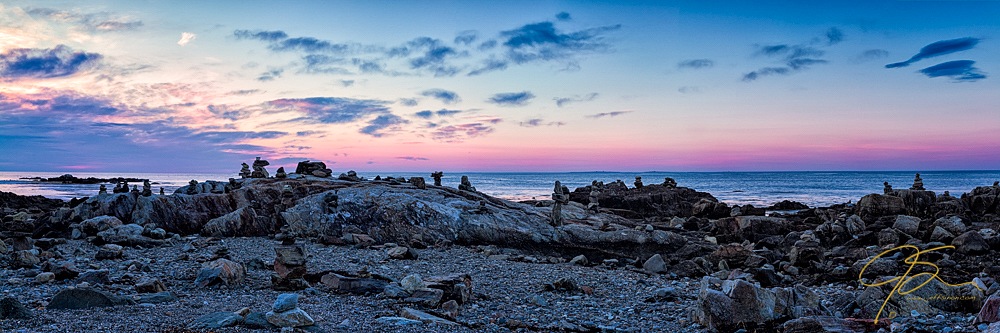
<point>310,251</point>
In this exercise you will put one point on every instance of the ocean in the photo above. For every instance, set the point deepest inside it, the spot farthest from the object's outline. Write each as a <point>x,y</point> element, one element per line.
<point>815,189</point>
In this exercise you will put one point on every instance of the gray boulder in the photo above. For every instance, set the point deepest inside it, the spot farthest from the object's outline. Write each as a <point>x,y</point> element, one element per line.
<point>83,298</point>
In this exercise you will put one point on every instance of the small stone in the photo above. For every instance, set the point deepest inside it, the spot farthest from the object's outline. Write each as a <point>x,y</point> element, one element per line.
<point>539,300</point>
<point>257,320</point>
<point>95,277</point>
<point>394,290</point>
<point>412,282</point>
<point>285,302</point>
<point>450,309</point>
<point>243,312</point>
<point>402,252</point>
<point>655,264</point>
<point>110,251</point>
<point>45,277</point>
<point>579,260</point>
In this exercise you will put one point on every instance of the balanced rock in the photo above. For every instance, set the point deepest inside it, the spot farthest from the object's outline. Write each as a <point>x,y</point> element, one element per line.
<point>286,313</point>
<point>289,268</point>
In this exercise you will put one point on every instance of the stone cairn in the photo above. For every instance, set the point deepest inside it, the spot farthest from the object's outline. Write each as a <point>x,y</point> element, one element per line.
<point>245,171</point>
<point>560,199</point>
<point>593,204</point>
<point>437,177</point>
<point>918,184</point>
<point>161,191</point>
<point>192,187</point>
<point>289,268</point>
<point>887,189</point>
<point>102,190</point>
<point>280,174</point>
<point>317,169</point>
<point>121,187</point>
<point>351,175</point>
<point>418,182</point>
<point>638,182</point>
<point>466,185</point>
<point>135,189</point>
<point>258,168</point>
<point>669,182</point>
<point>147,188</point>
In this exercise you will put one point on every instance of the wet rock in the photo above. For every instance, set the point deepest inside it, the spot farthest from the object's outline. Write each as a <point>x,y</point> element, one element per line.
<point>10,308</point>
<point>83,298</point>
<point>257,320</point>
<point>939,234</point>
<point>788,205</point>
<point>25,258</point>
<point>44,277</point>
<point>402,252</point>
<point>655,264</point>
<point>990,312</point>
<point>286,313</point>
<point>425,317</point>
<point>353,285</point>
<point>110,251</point>
<point>732,304</point>
<point>428,297</point>
<point>160,297</point>
<point>971,242</point>
<point>877,205</point>
<point>94,225</point>
<point>149,286</point>
<point>953,224</point>
<point>217,320</point>
<point>220,272</point>
<point>95,277</point>
<point>908,224</point>
<point>823,324</point>
<point>289,268</point>
<point>412,282</point>
<point>129,235</point>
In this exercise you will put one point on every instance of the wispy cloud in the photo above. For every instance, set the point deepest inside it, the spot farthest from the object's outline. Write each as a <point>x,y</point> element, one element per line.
<point>45,63</point>
<point>512,99</point>
<point>466,37</point>
<point>563,16</point>
<point>834,36</point>
<point>186,37</point>
<point>696,63</point>
<point>609,114</point>
<point>458,133</point>
<point>543,42</point>
<point>872,54</point>
<point>427,114</point>
<point>562,101</point>
<point>330,110</point>
<point>91,22</point>
<point>448,97</point>
<point>793,57</point>
<point>958,70</point>
<point>271,74</point>
<point>540,122</point>
<point>938,48</point>
<point>377,127</point>
<point>412,158</point>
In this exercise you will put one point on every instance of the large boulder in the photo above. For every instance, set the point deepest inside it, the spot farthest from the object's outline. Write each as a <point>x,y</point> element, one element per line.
<point>873,206</point>
<point>983,200</point>
<point>728,305</point>
<point>649,200</point>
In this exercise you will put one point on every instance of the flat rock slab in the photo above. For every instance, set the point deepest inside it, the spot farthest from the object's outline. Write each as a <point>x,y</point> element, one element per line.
<point>81,298</point>
<point>410,313</point>
<point>216,320</point>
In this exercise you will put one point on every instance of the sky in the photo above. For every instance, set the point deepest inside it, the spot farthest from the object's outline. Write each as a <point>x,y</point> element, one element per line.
<point>201,86</point>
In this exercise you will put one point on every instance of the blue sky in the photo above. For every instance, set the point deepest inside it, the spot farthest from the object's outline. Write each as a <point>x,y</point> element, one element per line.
<point>499,86</point>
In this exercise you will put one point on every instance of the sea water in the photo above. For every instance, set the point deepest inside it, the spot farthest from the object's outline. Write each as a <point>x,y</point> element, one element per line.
<point>815,189</point>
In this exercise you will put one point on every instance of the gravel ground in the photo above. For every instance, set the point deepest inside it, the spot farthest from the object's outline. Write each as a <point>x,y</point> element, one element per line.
<point>506,292</point>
